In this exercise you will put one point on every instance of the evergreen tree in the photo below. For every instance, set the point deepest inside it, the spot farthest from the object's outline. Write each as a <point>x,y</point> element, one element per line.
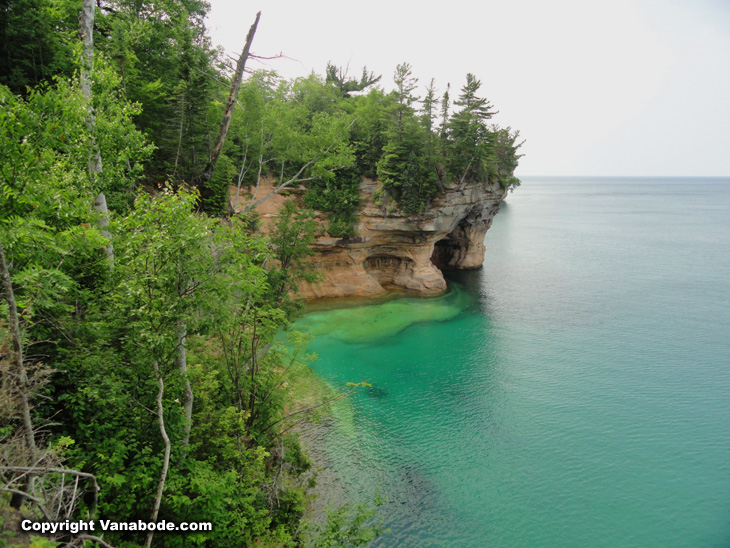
<point>428,113</point>
<point>167,64</point>
<point>504,158</point>
<point>407,168</point>
<point>445,106</point>
<point>337,77</point>
<point>405,83</point>
<point>467,133</point>
<point>36,38</point>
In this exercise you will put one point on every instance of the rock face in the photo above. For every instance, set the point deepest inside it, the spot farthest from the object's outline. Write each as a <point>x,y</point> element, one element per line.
<point>406,252</point>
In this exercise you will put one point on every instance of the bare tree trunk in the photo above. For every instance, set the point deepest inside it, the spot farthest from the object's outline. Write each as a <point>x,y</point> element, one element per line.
<point>86,33</point>
<point>233,95</point>
<point>228,112</point>
<point>18,351</point>
<point>182,364</point>
<point>100,207</point>
<point>180,132</point>
<point>22,373</point>
<point>241,173</point>
<point>166,457</point>
<point>252,394</point>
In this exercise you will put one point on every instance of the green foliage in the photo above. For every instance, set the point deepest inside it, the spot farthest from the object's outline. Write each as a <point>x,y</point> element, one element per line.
<point>341,226</point>
<point>230,288</point>
<point>408,174</point>
<point>407,167</point>
<point>109,331</point>
<point>112,332</point>
<point>468,135</point>
<point>369,131</point>
<point>46,194</point>
<point>294,231</point>
<point>37,38</point>
<point>166,63</point>
<point>339,197</point>
<point>338,78</point>
<point>346,527</point>
<point>504,160</point>
<point>40,138</point>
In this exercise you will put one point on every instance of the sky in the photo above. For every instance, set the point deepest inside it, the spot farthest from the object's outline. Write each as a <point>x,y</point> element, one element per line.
<point>619,88</point>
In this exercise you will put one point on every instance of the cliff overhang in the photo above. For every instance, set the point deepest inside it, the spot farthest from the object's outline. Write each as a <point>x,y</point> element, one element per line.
<point>396,251</point>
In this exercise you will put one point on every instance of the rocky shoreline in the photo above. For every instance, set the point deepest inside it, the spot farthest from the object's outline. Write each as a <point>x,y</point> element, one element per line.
<point>395,251</point>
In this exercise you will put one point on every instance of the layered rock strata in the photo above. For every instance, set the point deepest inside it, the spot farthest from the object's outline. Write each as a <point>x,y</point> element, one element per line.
<point>405,252</point>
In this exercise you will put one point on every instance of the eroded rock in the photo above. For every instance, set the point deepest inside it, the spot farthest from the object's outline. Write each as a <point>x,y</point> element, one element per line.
<point>406,252</point>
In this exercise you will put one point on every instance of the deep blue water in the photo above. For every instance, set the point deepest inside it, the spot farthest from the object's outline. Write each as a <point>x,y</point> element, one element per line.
<point>574,392</point>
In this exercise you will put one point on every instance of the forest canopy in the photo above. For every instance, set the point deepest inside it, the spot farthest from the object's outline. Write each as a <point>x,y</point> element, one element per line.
<point>338,128</point>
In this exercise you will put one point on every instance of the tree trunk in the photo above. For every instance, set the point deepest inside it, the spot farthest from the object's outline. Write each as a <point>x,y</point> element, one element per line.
<point>228,112</point>
<point>182,364</point>
<point>166,457</point>
<point>21,372</point>
<point>86,33</point>
<point>100,207</point>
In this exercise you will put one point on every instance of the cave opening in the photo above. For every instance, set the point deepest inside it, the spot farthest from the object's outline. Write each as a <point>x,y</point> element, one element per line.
<point>445,253</point>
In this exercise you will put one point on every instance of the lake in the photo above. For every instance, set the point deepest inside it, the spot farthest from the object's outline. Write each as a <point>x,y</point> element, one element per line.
<point>574,392</point>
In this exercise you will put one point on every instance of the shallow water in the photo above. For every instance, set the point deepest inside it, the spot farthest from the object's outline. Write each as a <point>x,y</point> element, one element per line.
<point>575,392</point>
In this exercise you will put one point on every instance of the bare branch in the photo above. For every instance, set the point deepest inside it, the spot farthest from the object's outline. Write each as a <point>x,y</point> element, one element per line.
<point>31,498</point>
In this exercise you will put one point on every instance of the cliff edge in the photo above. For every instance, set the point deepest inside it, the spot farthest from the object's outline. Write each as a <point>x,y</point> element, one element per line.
<point>393,250</point>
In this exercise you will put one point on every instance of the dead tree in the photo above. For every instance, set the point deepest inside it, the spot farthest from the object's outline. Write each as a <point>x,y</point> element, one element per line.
<point>207,176</point>
<point>86,33</point>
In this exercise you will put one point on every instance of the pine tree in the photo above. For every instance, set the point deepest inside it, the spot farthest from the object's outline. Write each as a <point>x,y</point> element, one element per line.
<point>445,106</point>
<point>468,134</point>
<point>427,110</point>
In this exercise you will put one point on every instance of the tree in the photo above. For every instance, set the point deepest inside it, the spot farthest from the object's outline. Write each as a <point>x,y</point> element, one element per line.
<point>467,132</point>
<point>36,38</point>
<point>294,232</point>
<point>162,270</point>
<point>405,83</point>
<point>337,76</point>
<point>167,66</point>
<point>428,113</point>
<point>504,159</point>
<point>291,135</point>
<point>445,106</point>
<point>45,239</point>
<point>407,165</point>
<point>213,198</point>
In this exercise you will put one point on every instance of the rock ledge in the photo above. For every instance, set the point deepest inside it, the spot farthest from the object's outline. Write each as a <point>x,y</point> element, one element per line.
<point>405,252</point>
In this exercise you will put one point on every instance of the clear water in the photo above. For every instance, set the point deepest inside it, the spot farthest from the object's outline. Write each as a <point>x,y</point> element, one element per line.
<point>575,392</point>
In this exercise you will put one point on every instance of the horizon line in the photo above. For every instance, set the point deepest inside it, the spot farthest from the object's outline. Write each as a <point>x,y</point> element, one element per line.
<point>532,175</point>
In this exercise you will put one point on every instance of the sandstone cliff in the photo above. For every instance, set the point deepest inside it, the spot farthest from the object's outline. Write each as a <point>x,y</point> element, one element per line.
<point>406,252</point>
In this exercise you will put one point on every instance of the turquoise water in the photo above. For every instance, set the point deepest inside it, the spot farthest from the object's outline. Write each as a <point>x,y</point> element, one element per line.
<point>575,392</point>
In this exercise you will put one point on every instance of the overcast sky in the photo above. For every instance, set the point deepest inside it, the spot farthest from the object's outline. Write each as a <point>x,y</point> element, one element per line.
<point>626,87</point>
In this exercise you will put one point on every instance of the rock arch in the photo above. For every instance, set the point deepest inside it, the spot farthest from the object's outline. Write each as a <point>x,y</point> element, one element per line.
<point>462,248</point>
